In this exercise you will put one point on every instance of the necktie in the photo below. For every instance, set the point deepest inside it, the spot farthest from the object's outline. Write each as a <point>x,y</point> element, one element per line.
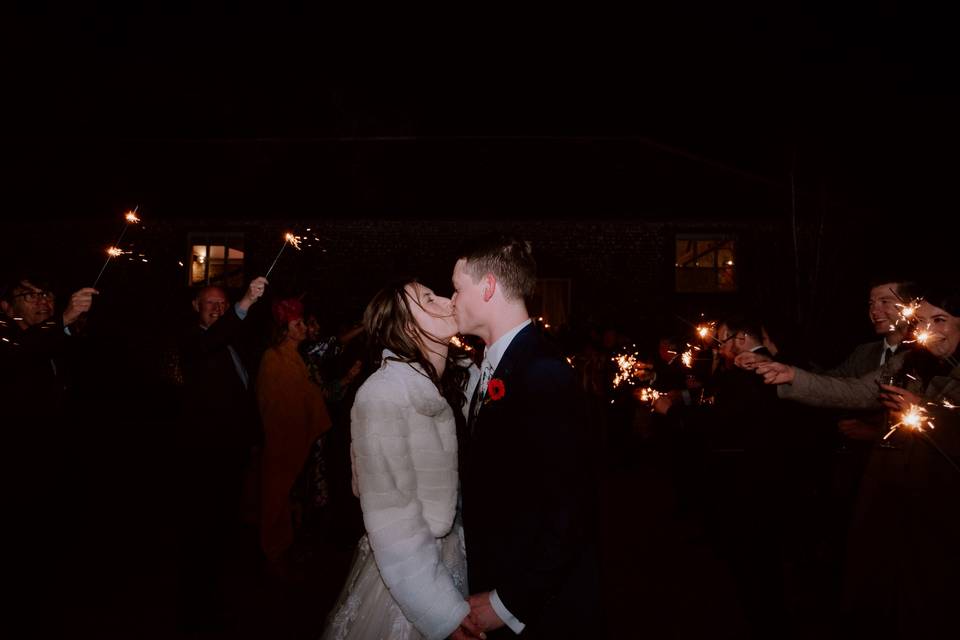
<point>238,365</point>
<point>887,356</point>
<point>486,374</point>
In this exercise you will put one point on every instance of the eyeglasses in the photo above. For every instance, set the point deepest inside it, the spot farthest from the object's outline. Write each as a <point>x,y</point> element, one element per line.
<point>727,339</point>
<point>35,296</point>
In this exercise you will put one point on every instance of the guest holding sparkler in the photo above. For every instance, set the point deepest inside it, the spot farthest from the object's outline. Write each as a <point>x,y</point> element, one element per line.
<point>32,343</point>
<point>38,425</point>
<point>885,295</point>
<point>901,569</point>
<point>217,431</point>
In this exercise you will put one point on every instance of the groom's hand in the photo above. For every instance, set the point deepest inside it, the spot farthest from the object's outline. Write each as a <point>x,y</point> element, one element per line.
<point>482,614</point>
<point>468,631</point>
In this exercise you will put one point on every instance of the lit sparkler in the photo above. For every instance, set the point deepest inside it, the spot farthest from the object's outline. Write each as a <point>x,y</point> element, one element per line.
<point>114,251</point>
<point>687,358</point>
<point>922,336</point>
<point>908,311</point>
<point>914,418</point>
<point>457,342</point>
<point>631,370</point>
<point>704,331</point>
<point>288,239</point>
<point>648,395</point>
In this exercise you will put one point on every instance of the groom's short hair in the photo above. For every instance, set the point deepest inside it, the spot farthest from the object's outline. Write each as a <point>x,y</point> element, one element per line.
<point>509,259</point>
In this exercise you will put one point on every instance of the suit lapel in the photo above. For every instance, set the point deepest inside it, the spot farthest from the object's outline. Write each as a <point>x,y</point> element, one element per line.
<point>517,352</point>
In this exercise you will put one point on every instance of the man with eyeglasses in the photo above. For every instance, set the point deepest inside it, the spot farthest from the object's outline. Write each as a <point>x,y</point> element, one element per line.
<point>34,346</point>
<point>32,340</point>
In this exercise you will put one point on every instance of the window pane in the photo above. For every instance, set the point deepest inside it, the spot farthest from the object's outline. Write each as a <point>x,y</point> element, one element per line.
<point>198,264</point>
<point>705,264</point>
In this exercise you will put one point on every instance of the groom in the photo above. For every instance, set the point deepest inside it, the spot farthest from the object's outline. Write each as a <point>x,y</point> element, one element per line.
<point>529,494</point>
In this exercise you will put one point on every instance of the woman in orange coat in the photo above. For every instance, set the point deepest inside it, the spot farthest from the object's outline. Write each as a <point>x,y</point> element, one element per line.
<point>294,415</point>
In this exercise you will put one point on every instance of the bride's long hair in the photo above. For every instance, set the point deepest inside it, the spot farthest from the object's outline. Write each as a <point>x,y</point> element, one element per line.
<point>390,324</point>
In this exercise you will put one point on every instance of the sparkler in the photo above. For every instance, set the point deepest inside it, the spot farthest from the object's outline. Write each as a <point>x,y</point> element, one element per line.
<point>925,336</point>
<point>631,370</point>
<point>648,395</point>
<point>457,342</point>
<point>114,251</point>
<point>908,311</point>
<point>293,241</point>
<point>704,330</point>
<point>915,418</point>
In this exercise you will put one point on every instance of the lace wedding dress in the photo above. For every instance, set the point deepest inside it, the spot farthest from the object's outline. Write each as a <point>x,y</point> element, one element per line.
<point>365,609</point>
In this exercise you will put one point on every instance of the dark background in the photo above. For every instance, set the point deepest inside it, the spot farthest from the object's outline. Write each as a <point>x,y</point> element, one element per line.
<point>824,137</point>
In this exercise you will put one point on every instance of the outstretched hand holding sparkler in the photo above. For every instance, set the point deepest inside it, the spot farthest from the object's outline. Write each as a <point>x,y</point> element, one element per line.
<point>254,292</point>
<point>897,398</point>
<point>80,303</point>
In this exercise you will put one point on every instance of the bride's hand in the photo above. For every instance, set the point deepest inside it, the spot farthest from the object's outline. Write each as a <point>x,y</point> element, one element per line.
<point>468,631</point>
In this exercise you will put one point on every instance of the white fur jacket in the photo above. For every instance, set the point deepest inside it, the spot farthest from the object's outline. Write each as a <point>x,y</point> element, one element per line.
<point>405,469</point>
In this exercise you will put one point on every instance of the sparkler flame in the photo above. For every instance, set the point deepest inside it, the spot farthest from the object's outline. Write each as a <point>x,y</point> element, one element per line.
<point>914,418</point>
<point>293,240</point>
<point>908,312</point>
<point>457,342</point>
<point>631,370</point>
<point>648,395</point>
<point>114,252</point>
<point>687,358</point>
<point>131,217</point>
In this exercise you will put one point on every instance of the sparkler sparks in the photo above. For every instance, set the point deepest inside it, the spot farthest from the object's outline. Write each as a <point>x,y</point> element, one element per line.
<point>288,239</point>
<point>457,342</point>
<point>648,395</point>
<point>631,370</point>
<point>908,312</point>
<point>914,418</point>
<point>114,250</point>
<point>922,336</point>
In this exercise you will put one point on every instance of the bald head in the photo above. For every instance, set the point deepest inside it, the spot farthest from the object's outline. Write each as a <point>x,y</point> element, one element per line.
<point>210,304</point>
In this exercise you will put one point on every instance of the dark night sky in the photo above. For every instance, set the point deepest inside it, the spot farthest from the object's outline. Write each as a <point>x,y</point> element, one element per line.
<point>232,113</point>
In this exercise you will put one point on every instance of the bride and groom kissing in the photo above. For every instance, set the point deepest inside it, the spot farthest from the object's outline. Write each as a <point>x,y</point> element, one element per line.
<point>476,484</point>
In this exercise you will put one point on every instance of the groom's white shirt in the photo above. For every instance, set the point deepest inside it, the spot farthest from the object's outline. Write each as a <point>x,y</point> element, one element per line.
<point>491,357</point>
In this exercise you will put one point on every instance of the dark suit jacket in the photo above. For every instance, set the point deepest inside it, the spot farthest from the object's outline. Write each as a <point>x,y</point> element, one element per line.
<point>33,371</point>
<point>529,495</point>
<point>218,411</point>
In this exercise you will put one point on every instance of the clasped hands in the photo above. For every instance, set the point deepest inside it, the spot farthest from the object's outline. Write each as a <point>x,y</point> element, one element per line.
<point>481,618</point>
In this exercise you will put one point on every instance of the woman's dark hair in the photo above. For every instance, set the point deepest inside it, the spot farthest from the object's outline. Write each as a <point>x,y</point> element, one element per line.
<point>944,295</point>
<point>390,324</point>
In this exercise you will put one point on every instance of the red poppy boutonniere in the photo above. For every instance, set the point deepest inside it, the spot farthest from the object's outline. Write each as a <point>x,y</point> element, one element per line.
<point>495,390</point>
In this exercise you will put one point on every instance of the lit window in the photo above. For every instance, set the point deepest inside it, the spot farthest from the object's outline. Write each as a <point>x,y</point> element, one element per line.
<point>706,264</point>
<point>216,259</point>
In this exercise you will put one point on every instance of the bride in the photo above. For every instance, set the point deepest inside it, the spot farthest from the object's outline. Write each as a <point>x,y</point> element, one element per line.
<point>408,578</point>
